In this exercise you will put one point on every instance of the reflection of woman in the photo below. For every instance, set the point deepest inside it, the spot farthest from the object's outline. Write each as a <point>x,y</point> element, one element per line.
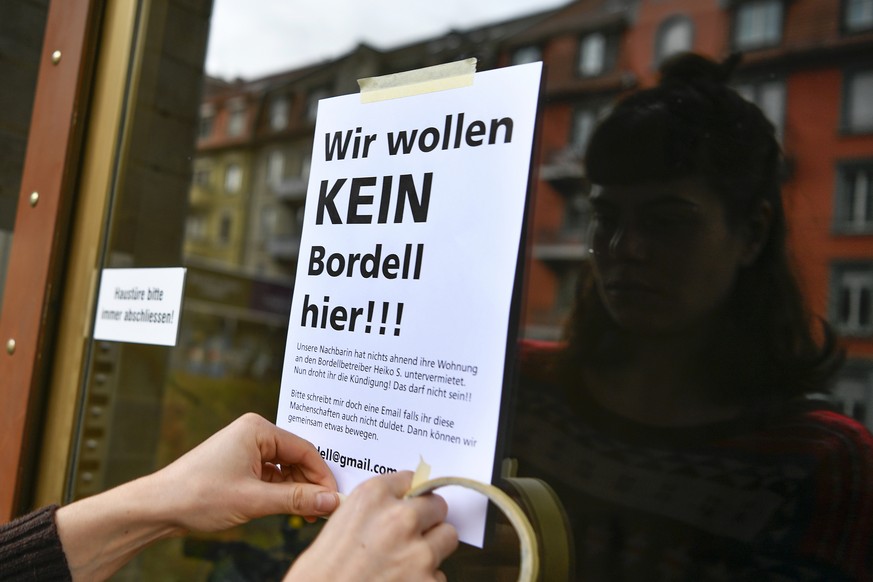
<point>690,449</point>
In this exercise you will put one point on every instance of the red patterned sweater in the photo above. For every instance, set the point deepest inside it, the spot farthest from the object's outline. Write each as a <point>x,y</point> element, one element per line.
<point>789,498</point>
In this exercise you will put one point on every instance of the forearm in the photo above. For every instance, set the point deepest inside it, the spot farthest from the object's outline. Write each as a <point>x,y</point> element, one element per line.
<point>102,533</point>
<point>247,470</point>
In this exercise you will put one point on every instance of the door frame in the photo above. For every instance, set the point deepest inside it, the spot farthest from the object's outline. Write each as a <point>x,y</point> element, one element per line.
<point>40,236</point>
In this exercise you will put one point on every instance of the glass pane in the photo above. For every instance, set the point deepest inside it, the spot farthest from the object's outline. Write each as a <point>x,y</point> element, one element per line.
<point>217,178</point>
<point>769,96</point>
<point>860,197</point>
<point>592,54</point>
<point>583,124</point>
<point>759,23</point>
<point>676,38</point>
<point>864,318</point>
<point>527,54</point>
<point>22,25</point>
<point>866,215</point>
<point>772,103</point>
<point>859,14</point>
<point>861,101</point>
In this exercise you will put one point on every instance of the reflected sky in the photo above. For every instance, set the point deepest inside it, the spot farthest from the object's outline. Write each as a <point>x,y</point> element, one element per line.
<point>250,39</point>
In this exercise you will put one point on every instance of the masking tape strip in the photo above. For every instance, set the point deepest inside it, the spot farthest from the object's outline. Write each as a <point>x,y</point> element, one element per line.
<point>418,81</point>
<point>422,473</point>
<point>529,568</point>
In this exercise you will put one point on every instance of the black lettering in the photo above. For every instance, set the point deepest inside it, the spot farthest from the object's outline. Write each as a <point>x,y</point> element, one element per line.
<point>316,265</point>
<point>337,146</point>
<point>506,123</point>
<point>474,130</point>
<point>326,201</point>
<point>417,206</point>
<point>357,199</point>
<point>387,181</point>
<point>429,139</point>
<point>309,310</point>
<point>338,318</point>
<point>336,264</point>
<point>404,142</point>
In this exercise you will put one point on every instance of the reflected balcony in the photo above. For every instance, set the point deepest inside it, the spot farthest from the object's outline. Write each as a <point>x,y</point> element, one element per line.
<point>564,245</point>
<point>563,170</point>
<point>291,190</point>
<point>283,247</point>
<point>545,324</point>
<point>200,196</point>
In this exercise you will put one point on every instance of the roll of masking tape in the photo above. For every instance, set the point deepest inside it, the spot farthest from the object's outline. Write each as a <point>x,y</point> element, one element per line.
<point>529,567</point>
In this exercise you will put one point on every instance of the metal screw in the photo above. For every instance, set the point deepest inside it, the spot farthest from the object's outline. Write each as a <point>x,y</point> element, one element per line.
<point>34,198</point>
<point>10,347</point>
<point>56,57</point>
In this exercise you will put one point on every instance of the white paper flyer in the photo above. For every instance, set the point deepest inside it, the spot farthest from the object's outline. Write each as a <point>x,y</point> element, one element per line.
<point>398,324</point>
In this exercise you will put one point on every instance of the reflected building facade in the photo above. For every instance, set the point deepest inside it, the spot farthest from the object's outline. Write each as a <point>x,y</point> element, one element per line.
<point>806,63</point>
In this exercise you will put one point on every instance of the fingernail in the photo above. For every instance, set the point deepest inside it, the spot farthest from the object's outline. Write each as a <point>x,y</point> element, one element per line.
<point>326,502</point>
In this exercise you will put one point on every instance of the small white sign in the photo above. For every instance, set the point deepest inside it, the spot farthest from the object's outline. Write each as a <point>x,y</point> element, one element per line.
<point>140,306</point>
<point>401,308</point>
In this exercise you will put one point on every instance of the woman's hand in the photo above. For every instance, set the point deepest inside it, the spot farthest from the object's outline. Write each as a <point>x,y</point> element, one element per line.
<point>249,469</point>
<point>377,534</point>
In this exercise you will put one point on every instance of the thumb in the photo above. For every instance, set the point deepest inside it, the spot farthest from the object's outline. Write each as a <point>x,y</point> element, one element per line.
<point>304,499</point>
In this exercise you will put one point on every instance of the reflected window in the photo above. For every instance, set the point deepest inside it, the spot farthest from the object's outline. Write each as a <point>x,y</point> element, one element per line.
<point>758,24</point>
<point>315,96</point>
<point>279,109</point>
<point>852,307</point>
<point>769,96</point>
<point>275,168</point>
<point>858,15</point>
<point>583,125</point>
<point>305,163</point>
<point>298,218</point>
<point>577,213</point>
<point>195,227</point>
<point>232,178</point>
<point>858,114</point>
<point>225,228</point>
<point>207,121</point>
<point>202,177</point>
<point>526,54</point>
<point>597,54</point>
<point>268,223</point>
<point>675,35</point>
<point>854,212</point>
<point>592,54</point>
<point>852,394</point>
<point>566,287</point>
<point>236,121</point>
<point>585,118</point>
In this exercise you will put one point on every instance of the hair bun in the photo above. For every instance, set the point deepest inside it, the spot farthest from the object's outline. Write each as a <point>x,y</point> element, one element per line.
<point>687,67</point>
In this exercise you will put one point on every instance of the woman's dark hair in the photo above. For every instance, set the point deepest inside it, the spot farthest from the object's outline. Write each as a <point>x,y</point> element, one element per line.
<point>693,125</point>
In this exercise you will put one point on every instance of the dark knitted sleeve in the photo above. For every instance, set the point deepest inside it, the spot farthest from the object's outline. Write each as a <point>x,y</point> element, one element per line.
<point>30,548</point>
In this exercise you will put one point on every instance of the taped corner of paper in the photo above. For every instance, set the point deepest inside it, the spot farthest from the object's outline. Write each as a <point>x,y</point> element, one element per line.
<point>418,81</point>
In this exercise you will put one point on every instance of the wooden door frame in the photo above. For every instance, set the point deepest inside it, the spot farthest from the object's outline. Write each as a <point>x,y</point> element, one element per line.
<point>40,235</point>
<point>116,75</point>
